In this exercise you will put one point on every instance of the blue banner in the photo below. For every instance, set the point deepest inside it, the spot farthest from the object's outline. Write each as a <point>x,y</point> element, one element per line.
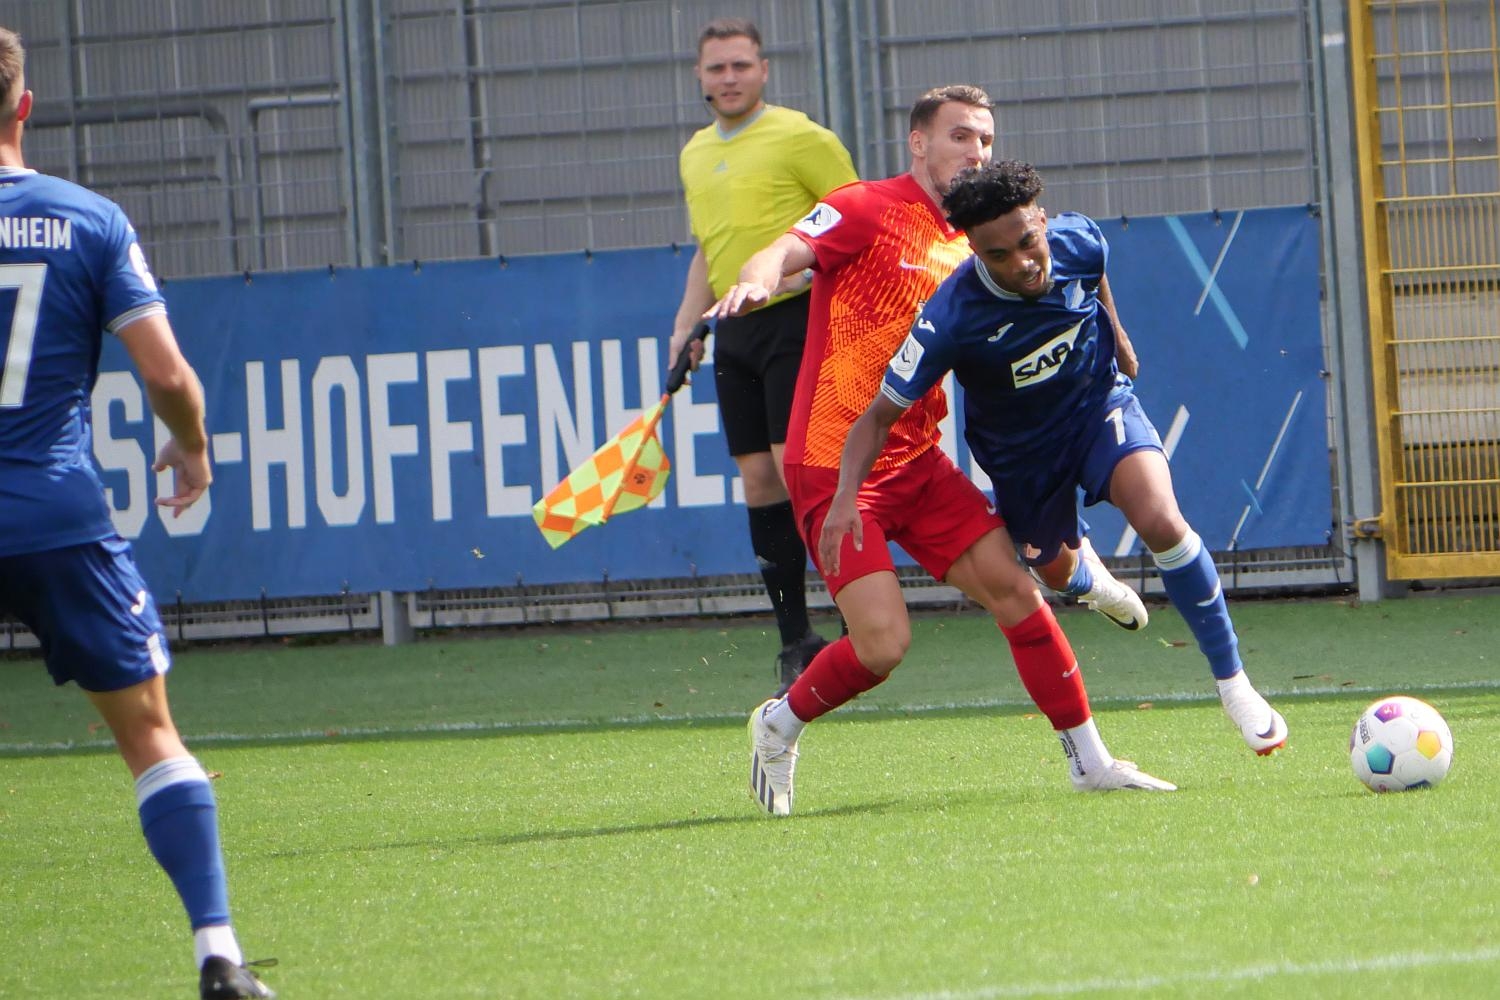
<point>391,428</point>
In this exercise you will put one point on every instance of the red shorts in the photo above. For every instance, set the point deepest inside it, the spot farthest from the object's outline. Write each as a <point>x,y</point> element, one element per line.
<point>927,506</point>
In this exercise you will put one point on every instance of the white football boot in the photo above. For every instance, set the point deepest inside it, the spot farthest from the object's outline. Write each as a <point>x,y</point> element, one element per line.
<point>1120,774</point>
<point>1111,598</point>
<point>1261,725</point>
<point>772,762</point>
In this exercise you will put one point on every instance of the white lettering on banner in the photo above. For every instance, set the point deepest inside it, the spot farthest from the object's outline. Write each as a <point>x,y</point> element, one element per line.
<point>500,430</point>
<point>691,420</point>
<point>616,414</point>
<point>349,443</point>
<point>554,419</point>
<point>177,522</point>
<point>279,447</point>
<point>121,454</point>
<point>446,437</point>
<point>338,374</point>
<point>388,440</point>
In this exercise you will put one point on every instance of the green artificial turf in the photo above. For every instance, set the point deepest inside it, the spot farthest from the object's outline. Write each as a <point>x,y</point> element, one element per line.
<point>563,813</point>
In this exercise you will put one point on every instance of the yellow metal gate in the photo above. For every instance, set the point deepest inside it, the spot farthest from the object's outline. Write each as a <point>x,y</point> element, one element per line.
<point>1426,79</point>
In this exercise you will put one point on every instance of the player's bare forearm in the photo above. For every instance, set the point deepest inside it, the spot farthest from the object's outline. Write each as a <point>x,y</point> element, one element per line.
<point>1125,356</point>
<point>172,387</point>
<point>862,447</point>
<point>761,276</point>
<point>176,398</point>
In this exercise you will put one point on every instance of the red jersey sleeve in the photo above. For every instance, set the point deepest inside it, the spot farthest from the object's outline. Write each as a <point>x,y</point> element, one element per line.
<point>840,226</point>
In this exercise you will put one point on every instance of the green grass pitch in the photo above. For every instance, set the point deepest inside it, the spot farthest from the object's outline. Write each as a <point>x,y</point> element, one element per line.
<point>563,813</point>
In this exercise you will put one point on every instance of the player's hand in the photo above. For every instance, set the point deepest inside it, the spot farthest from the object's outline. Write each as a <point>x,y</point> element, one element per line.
<point>842,519</point>
<point>740,299</point>
<point>680,337</point>
<point>190,475</point>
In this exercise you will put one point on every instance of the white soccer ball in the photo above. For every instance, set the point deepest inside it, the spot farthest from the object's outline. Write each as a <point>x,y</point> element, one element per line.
<point>1400,743</point>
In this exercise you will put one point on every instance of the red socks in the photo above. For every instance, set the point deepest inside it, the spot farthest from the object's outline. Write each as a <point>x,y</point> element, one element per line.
<point>1048,669</point>
<point>1043,658</point>
<point>834,677</point>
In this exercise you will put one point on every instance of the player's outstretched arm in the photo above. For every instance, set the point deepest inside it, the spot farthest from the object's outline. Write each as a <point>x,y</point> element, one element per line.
<point>1125,358</point>
<point>176,396</point>
<point>866,438</point>
<point>762,275</point>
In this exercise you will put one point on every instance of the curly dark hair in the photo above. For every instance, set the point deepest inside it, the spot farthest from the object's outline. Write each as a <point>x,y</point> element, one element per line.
<point>980,194</point>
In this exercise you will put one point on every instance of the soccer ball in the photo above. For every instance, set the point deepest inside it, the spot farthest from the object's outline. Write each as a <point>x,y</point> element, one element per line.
<point>1400,743</point>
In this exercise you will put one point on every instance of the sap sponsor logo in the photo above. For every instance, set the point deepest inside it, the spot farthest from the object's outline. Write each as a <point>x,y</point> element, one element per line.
<point>821,219</point>
<point>1045,362</point>
<point>905,361</point>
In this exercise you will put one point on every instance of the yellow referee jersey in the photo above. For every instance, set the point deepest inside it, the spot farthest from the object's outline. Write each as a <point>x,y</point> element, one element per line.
<point>747,187</point>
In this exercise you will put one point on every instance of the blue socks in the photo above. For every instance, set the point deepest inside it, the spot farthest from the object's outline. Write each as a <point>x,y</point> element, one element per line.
<point>1192,584</point>
<point>182,830</point>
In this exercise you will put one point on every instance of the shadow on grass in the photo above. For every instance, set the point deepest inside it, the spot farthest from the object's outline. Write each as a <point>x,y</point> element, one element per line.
<point>877,807</point>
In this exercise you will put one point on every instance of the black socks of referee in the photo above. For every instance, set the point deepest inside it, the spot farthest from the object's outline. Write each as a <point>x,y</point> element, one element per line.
<point>783,565</point>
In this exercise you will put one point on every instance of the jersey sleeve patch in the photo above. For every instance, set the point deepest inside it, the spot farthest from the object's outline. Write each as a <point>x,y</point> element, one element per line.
<point>139,266</point>
<point>907,357</point>
<point>822,218</point>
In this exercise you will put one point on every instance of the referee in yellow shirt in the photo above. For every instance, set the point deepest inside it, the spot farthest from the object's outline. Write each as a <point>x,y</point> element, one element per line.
<point>751,174</point>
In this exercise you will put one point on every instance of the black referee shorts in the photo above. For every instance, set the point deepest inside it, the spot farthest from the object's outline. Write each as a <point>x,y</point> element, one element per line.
<point>756,358</point>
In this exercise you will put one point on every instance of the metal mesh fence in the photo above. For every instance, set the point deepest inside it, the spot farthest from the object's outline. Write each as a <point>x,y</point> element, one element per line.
<point>537,127</point>
<point>1129,107</point>
<point>217,131</point>
<point>1435,210</point>
<point>228,129</point>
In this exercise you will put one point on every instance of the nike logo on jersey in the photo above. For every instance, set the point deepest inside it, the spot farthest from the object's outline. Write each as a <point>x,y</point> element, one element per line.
<point>913,267</point>
<point>722,166</point>
<point>1073,294</point>
<point>140,603</point>
<point>1000,332</point>
<point>1047,361</point>
<point>817,222</point>
<point>1071,671</point>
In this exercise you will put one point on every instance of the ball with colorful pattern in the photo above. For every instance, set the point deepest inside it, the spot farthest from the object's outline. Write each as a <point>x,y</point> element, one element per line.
<point>1399,744</point>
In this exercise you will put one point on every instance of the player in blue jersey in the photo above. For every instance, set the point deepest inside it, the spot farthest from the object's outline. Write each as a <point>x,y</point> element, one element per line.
<point>1028,327</point>
<point>71,270</point>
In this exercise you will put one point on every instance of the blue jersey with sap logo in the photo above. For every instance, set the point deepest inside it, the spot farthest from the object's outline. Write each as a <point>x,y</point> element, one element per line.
<point>1035,372</point>
<point>70,269</point>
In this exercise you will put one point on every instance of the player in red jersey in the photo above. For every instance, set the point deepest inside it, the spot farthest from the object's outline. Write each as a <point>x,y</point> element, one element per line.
<point>878,249</point>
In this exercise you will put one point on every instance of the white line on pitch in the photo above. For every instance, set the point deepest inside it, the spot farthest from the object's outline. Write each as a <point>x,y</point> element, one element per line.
<point>1114,987</point>
<point>544,726</point>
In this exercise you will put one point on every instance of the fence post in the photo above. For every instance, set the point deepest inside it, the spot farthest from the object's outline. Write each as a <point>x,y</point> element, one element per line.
<point>1345,316</point>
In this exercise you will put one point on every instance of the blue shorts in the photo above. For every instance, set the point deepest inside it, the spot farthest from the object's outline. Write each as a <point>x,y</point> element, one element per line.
<point>1041,509</point>
<point>91,610</point>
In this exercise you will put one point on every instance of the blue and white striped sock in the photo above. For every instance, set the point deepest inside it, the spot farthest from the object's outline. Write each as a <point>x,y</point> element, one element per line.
<point>1192,584</point>
<point>180,821</point>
